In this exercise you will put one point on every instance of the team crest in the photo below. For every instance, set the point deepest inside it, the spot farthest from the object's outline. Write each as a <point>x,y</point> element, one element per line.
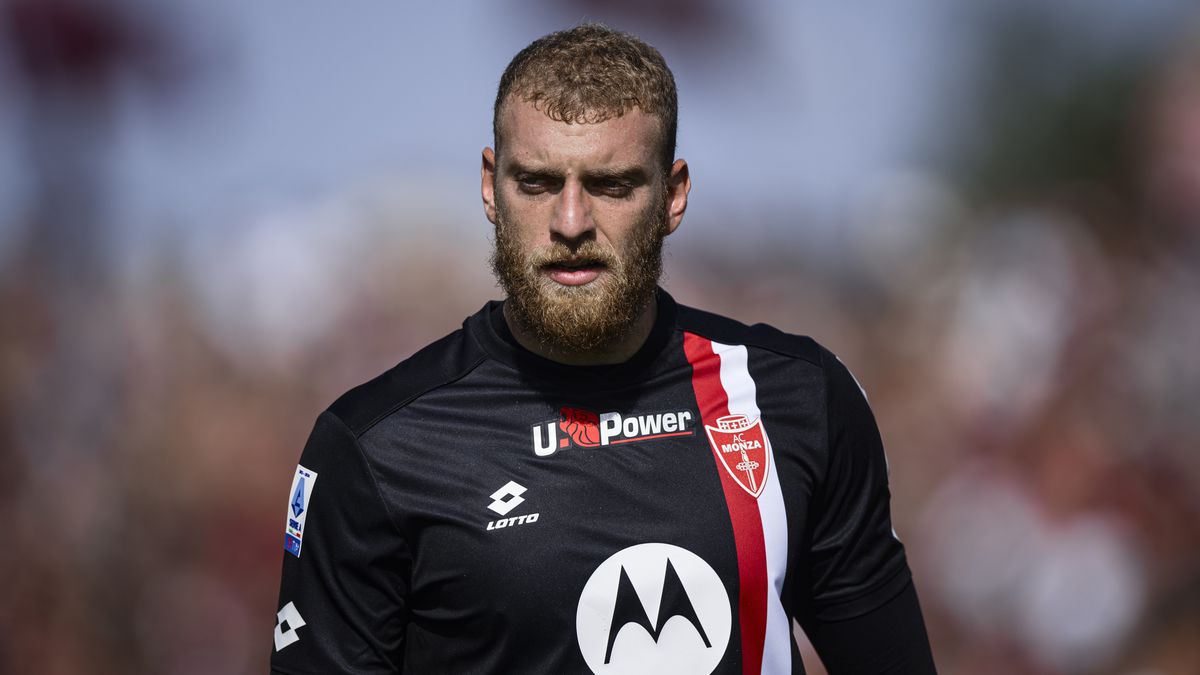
<point>741,446</point>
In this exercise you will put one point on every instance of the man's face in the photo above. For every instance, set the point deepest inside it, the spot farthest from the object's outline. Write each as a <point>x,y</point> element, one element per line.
<point>580,213</point>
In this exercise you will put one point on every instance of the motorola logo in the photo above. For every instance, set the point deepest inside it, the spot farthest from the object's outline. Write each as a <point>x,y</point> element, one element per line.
<point>653,609</point>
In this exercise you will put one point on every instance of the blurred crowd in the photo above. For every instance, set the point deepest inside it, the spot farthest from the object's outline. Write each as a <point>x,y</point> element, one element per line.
<point>1030,357</point>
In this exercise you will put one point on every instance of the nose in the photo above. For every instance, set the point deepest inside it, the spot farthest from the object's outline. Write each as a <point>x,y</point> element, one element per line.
<point>573,217</point>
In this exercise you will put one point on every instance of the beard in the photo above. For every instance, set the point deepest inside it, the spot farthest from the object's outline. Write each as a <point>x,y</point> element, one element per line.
<point>593,316</point>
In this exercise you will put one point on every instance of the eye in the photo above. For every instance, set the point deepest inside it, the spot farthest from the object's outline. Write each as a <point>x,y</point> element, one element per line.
<point>534,184</point>
<point>611,187</point>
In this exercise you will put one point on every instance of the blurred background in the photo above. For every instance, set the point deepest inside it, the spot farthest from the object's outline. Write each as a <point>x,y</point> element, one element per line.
<point>217,216</point>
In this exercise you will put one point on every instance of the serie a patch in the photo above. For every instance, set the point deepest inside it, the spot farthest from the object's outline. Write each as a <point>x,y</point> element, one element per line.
<point>301,493</point>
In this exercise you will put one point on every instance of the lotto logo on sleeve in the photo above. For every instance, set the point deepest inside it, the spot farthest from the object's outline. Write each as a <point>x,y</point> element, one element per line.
<point>290,622</point>
<point>301,493</point>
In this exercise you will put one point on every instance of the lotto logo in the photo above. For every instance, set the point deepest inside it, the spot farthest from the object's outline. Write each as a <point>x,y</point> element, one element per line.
<point>290,621</point>
<point>507,498</point>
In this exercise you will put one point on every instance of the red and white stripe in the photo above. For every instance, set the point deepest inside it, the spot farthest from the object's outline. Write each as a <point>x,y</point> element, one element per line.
<point>723,386</point>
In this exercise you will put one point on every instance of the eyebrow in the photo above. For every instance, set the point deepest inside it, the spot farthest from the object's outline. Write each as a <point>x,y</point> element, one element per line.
<point>632,174</point>
<point>515,168</point>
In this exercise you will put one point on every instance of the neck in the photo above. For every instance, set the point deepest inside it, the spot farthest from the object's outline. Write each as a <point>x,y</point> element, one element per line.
<point>618,352</point>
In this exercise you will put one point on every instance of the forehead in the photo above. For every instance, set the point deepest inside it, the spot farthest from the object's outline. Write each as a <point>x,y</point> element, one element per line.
<point>530,136</point>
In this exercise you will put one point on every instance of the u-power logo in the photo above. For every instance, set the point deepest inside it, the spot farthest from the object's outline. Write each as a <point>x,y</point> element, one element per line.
<point>586,429</point>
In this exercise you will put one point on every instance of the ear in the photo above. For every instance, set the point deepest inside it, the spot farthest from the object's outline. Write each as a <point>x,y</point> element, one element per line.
<point>487,187</point>
<point>679,184</point>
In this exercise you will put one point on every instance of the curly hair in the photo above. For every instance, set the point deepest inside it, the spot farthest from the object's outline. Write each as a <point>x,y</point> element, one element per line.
<point>588,74</point>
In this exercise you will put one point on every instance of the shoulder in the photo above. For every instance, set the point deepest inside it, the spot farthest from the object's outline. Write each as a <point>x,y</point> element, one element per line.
<point>728,331</point>
<point>439,364</point>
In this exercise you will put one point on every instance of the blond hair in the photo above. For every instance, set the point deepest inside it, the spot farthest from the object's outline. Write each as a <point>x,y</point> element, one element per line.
<point>588,74</point>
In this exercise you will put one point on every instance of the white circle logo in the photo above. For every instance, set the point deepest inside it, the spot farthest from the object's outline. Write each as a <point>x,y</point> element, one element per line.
<point>653,609</point>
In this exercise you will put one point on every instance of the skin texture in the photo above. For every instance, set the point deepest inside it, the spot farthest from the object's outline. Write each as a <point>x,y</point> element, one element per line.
<point>580,212</point>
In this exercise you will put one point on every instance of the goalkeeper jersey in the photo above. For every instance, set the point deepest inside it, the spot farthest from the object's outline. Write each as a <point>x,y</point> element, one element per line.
<point>480,509</point>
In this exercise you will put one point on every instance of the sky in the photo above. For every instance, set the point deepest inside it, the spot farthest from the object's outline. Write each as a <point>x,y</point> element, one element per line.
<point>790,108</point>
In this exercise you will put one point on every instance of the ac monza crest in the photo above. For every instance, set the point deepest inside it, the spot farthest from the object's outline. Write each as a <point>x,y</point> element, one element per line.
<point>741,446</point>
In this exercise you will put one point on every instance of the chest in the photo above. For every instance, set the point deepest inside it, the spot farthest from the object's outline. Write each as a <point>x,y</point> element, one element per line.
<point>492,474</point>
<point>527,514</point>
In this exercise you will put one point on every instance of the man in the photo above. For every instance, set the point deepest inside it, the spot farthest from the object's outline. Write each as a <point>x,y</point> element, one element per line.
<point>587,476</point>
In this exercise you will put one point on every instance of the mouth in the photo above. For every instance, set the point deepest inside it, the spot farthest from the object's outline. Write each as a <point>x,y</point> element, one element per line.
<point>574,272</point>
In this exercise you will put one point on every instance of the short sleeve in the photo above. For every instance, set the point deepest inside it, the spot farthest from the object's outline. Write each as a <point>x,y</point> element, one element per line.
<point>343,588</point>
<point>855,561</point>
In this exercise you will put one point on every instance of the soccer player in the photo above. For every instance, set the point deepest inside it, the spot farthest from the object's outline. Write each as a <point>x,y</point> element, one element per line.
<point>588,477</point>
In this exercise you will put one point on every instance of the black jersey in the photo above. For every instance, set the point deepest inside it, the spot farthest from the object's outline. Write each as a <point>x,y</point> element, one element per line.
<point>479,509</point>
